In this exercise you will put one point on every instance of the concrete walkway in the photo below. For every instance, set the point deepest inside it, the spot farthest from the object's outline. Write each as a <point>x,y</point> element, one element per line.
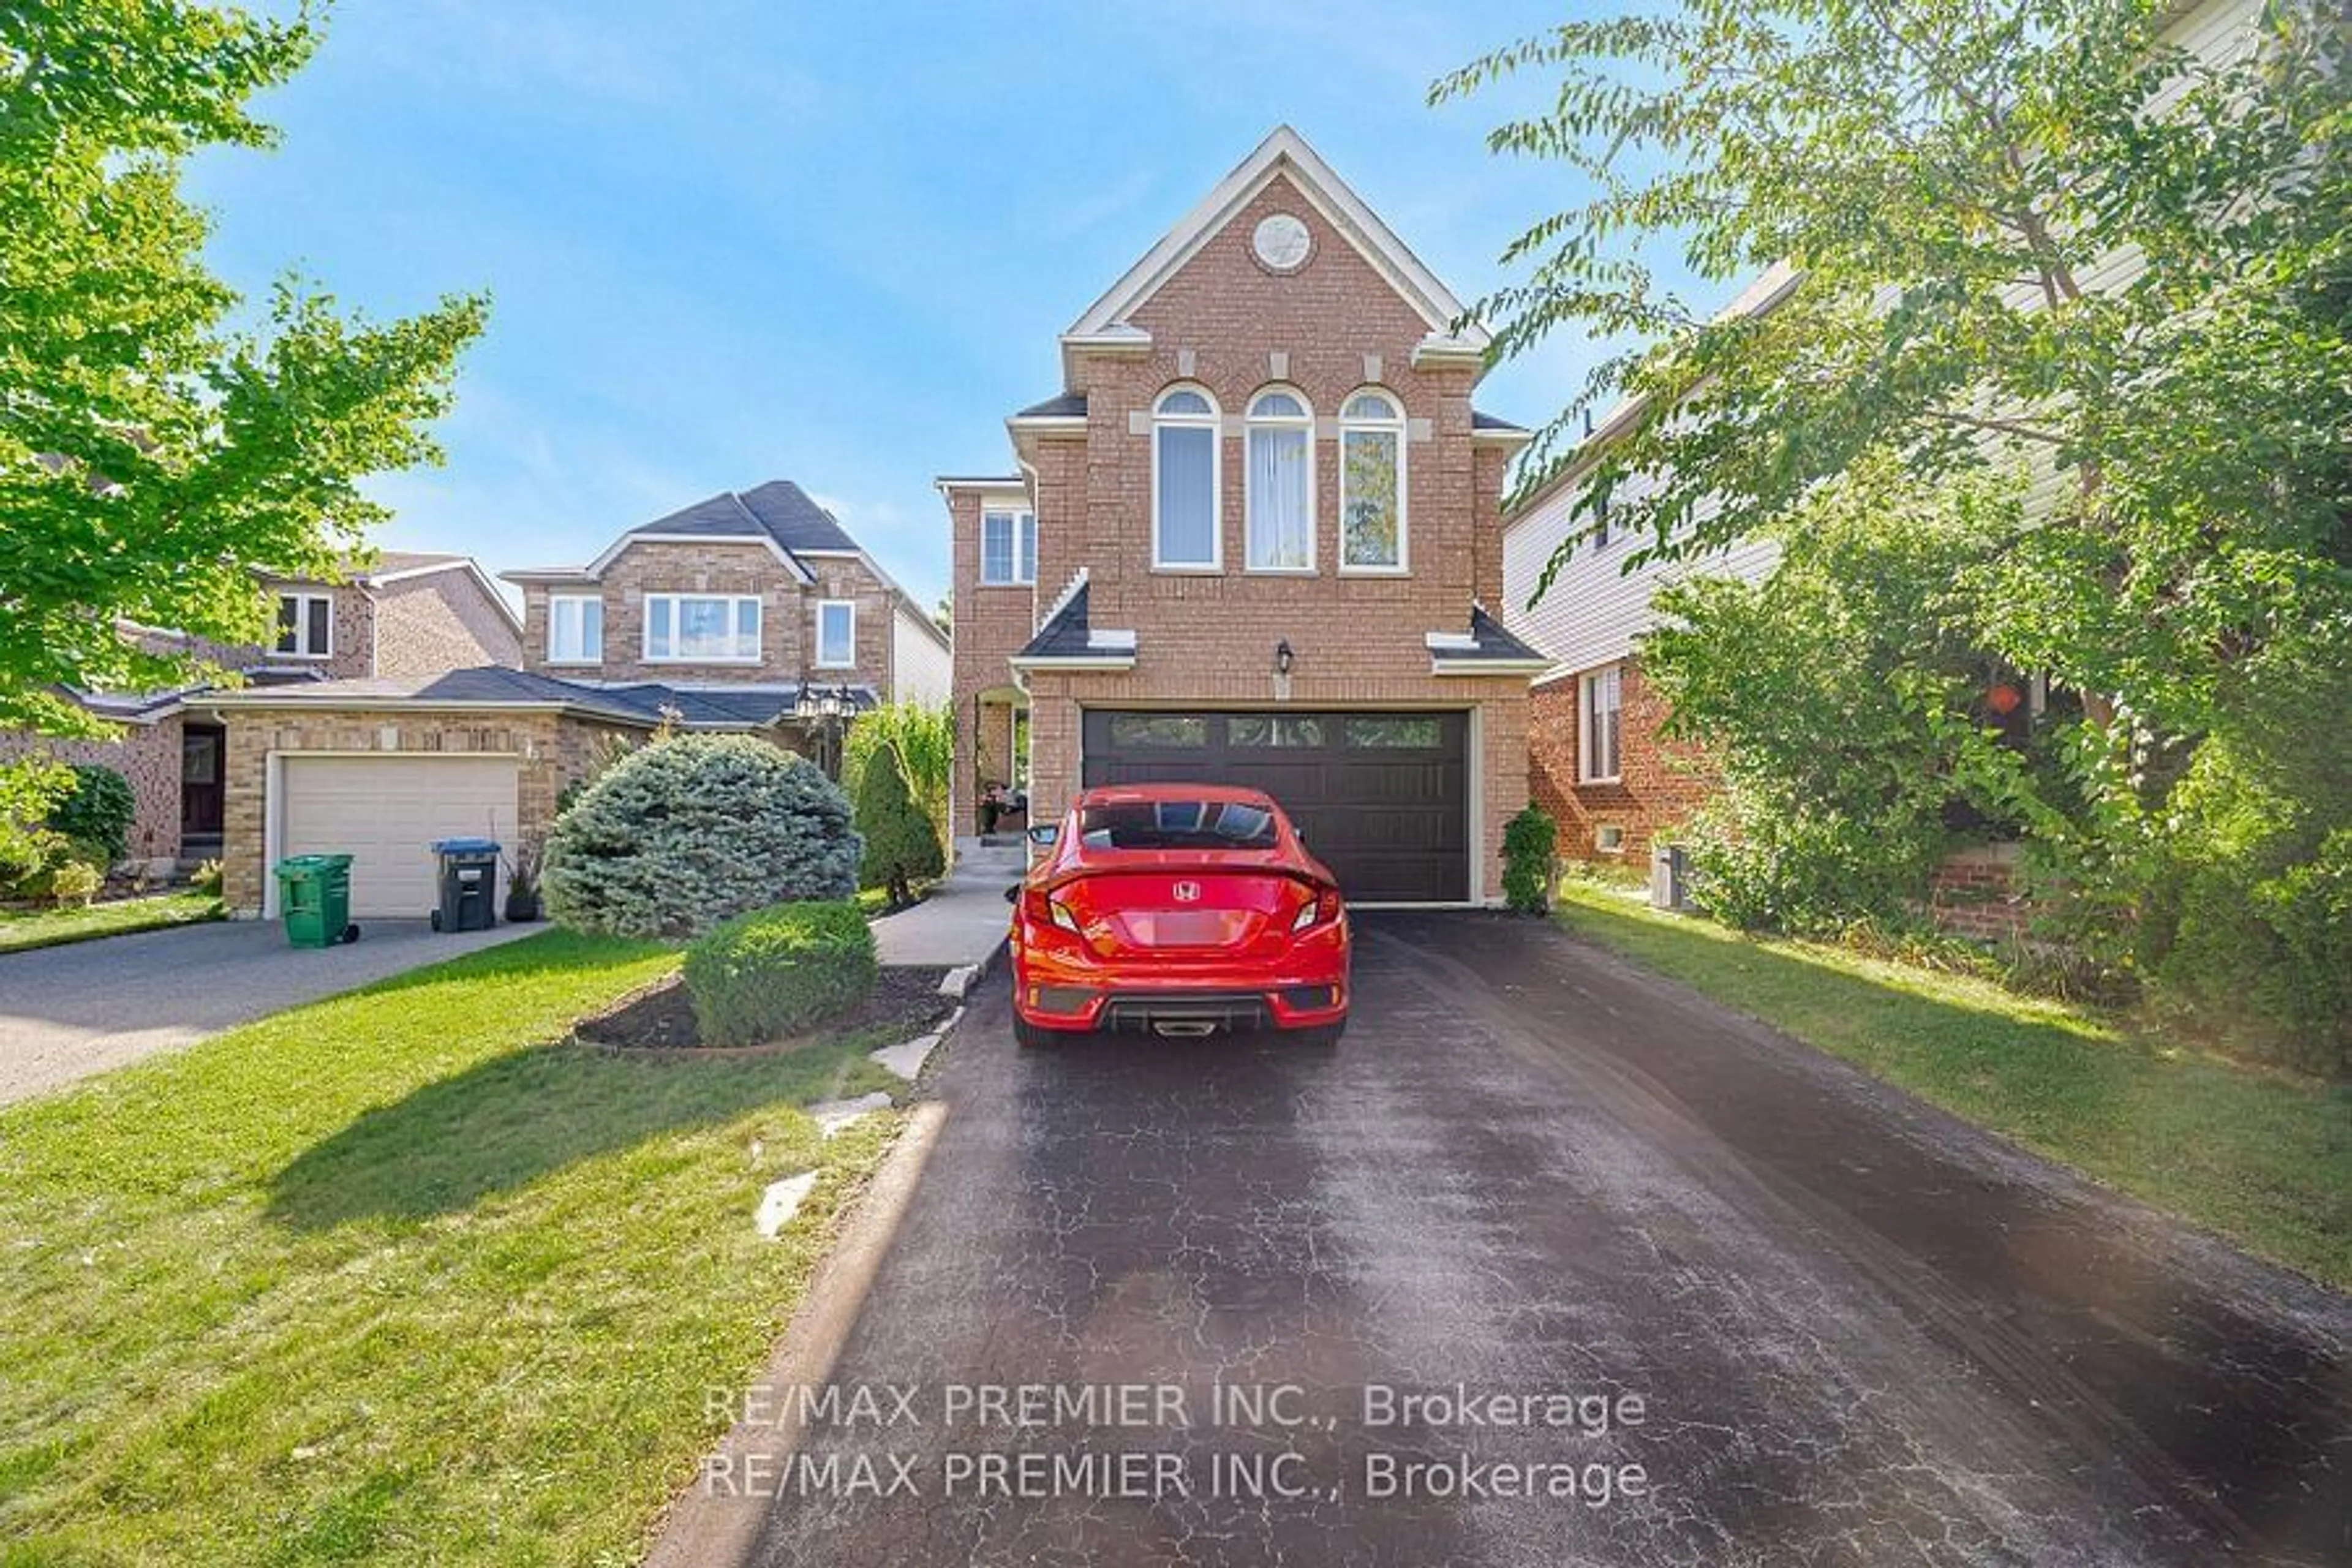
<point>68,1012</point>
<point>963,921</point>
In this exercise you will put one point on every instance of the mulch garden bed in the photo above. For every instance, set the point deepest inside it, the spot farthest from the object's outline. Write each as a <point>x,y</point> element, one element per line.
<point>661,1017</point>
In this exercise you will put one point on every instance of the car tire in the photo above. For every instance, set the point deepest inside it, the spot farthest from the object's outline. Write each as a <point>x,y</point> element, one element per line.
<point>1322,1036</point>
<point>1032,1036</point>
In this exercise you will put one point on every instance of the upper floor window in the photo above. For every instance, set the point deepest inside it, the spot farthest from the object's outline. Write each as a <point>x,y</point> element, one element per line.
<point>836,633</point>
<point>1371,484</point>
<point>702,629</point>
<point>575,628</point>
<point>1008,546</point>
<point>1185,518</point>
<point>305,625</point>
<point>1281,483</point>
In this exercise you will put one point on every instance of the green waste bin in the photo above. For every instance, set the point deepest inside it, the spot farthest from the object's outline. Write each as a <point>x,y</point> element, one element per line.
<point>314,894</point>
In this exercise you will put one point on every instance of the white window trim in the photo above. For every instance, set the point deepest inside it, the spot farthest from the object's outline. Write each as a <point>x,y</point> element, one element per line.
<point>582,658</point>
<point>1396,426</point>
<point>1213,423</point>
<point>820,662</point>
<point>302,603</point>
<point>1304,423</point>
<point>1584,683</point>
<point>1015,514</point>
<point>645,639</point>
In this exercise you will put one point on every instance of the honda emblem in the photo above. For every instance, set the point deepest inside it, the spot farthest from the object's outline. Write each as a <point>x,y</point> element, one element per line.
<point>1187,892</point>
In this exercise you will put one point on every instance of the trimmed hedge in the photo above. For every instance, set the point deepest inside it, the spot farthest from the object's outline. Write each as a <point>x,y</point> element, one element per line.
<point>688,832</point>
<point>1530,841</point>
<point>776,972</point>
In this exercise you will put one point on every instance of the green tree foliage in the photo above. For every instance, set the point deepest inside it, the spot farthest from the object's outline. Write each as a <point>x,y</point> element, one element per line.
<point>99,811</point>
<point>902,842</point>
<point>2029,239</point>
<point>1843,697</point>
<point>1531,840</point>
<point>683,833</point>
<point>152,457</point>
<point>774,972</point>
<point>30,789</point>
<point>923,735</point>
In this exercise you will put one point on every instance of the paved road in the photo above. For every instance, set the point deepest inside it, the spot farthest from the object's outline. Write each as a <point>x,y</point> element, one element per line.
<point>68,1012</point>
<point>1859,1332</point>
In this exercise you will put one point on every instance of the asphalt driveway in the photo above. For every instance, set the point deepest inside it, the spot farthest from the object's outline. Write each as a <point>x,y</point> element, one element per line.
<point>1746,1307</point>
<point>68,1012</point>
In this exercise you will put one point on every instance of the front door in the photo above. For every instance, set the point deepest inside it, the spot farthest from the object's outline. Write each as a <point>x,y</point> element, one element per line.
<point>204,748</point>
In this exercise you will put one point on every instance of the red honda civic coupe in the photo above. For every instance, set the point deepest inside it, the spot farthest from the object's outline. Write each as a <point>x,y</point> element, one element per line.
<point>1178,910</point>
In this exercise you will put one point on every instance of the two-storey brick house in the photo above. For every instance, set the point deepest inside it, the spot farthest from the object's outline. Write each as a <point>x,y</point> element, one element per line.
<point>402,614</point>
<point>753,613</point>
<point>1256,538</point>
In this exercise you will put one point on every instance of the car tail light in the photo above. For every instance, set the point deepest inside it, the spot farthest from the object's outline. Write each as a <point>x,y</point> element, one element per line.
<point>1322,908</point>
<point>1046,909</point>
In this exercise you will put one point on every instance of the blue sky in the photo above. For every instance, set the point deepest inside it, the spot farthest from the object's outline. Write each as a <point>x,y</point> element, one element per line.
<point>729,241</point>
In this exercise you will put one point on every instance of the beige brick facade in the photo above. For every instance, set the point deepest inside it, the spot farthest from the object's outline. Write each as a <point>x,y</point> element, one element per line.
<point>441,620</point>
<point>1227,323</point>
<point>788,614</point>
<point>553,750</point>
<point>418,623</point>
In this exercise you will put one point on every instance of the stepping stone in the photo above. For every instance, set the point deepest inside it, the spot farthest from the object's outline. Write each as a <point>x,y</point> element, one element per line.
<point>906,1060</point>
<point>781,1201</point>
<point>833,1115</point>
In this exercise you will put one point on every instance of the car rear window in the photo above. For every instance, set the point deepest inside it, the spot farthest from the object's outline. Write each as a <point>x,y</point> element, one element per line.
<point>1177,825</point>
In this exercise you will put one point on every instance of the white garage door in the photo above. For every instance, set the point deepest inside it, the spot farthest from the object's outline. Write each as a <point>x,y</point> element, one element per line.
<point>384,812</point>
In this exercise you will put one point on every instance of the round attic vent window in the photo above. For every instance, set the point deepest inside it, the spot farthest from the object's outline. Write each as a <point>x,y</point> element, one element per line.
<point>1282,242</point>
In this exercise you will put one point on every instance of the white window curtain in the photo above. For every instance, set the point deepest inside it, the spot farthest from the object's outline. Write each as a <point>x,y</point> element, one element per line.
<point>1187,498</point>
<point>1281,484</point>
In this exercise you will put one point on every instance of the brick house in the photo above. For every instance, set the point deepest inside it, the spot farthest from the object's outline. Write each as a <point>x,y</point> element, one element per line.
<point>403,614</point>
<point>1253,538</point>
<point>752,612</point>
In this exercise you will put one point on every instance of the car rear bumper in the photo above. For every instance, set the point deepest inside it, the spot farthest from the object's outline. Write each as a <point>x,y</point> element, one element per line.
<point>1077,997</point>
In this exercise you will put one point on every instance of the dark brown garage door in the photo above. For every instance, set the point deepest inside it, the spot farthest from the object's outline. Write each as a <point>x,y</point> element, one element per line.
<point>1382,799</point>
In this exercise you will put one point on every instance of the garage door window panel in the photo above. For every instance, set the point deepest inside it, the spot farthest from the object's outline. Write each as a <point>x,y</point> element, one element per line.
<point>1181,731</point>
<point>1395,734</point>
<point>1272,731</point>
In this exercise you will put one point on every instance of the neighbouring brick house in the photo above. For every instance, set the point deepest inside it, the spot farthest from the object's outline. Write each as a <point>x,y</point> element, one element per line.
<point>403,613</point>
<point>754,613</point>
<point>1255,539</point>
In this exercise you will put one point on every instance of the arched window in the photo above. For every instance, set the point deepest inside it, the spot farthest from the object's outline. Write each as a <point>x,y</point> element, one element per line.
<point>1371,484</point>
<point>1184,481</point>
<point>1280,488</point>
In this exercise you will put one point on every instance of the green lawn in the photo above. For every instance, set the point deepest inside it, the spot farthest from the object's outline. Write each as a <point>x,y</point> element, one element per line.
<point>392,1278</point>
<point>2264,1160</point>
<point>50,927</point>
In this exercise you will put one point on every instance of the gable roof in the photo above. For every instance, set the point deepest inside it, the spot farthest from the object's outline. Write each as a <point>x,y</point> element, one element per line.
<point>1285,152</point>
<point>778,514</point>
